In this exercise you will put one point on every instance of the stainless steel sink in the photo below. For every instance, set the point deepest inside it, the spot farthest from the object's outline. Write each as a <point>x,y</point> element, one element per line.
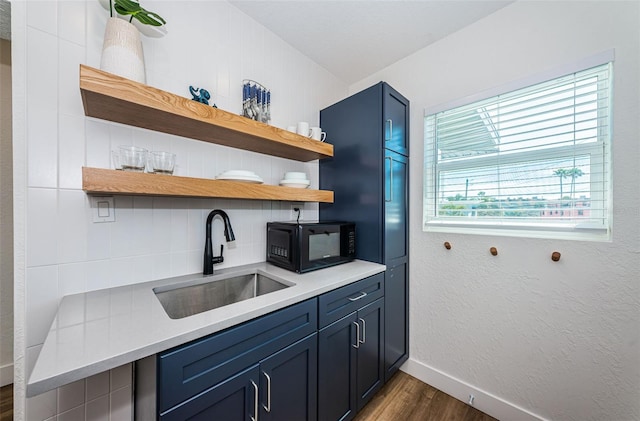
<point>202,295</point>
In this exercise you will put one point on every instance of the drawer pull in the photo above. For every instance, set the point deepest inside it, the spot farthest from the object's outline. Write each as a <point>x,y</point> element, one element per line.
<point>268,406</point>
<point>362,295</point>
<point>357,345</point>
<point>255,405</point>
<point>364,332</point>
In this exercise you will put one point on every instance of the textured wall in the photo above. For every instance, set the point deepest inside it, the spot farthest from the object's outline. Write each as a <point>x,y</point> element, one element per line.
<point>6,218</point>
<point>207,44</point>
<point>559,340</point>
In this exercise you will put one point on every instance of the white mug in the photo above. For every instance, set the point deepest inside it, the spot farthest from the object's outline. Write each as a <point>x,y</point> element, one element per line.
<point>303,129</point>
<point>318,134</point>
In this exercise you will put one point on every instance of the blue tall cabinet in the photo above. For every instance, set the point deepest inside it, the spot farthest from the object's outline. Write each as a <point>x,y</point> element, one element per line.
<point>369,175</point>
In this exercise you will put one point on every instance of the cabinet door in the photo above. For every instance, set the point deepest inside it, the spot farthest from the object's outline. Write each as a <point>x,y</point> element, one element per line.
<point>337,370</point>
<point>235,399</point>
<point>396,120</point>
<point>370,371</point>
<point>288,383</point>
<point>396,206</point>
<point>396,328</point>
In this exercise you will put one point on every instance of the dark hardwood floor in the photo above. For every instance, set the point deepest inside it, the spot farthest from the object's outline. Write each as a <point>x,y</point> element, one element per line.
<point>402,398</point>
<point>407,398</point>
<point>6,403</point>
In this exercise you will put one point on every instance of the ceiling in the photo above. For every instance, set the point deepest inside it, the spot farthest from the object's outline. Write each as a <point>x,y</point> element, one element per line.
<point>352,38</point>
<point>355,38</point>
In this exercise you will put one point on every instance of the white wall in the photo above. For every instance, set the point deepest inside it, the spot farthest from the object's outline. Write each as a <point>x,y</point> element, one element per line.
<point>58,249</point>
<point>6,218</point>
<point>526,335</point>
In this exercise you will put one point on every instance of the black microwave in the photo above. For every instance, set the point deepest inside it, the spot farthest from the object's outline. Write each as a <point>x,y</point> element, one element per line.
<point>306,246</point>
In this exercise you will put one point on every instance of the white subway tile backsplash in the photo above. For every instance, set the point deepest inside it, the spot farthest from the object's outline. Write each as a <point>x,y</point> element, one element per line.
<point>161,219</point>
<point>194,261</point>
<point>72,226</point>
<point>98,274</point>
<point>71,21</point>
<point>179,264</point>
<point>41,302</point>
<point>179,228</point>
<point>72,278</point>
<point>70,57</point>
<point>31,358</point>
<point>98,237</point>
<point>42,145</point>
<point>71,396</point>
<point>98,144</point>
<point>161,266</point>
<point>42,67</point>
<point>120,135</point>
<point>42,233</point>
<point>42,15</point>
<point>71,153</point>
<point>122,229</point>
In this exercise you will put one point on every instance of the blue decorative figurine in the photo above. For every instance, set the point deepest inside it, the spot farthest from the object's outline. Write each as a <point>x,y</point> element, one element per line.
<point>203,96</point>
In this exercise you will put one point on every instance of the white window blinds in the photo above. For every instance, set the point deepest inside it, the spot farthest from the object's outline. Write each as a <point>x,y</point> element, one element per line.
<point>532,159</point>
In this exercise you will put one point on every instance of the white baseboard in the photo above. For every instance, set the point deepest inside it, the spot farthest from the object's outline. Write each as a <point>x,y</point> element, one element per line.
<point>484,401</point>
<point>6,375</point>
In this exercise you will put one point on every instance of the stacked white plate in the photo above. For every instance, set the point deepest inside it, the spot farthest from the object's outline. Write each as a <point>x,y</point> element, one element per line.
<point>240,175</point>
<point>295,179</point>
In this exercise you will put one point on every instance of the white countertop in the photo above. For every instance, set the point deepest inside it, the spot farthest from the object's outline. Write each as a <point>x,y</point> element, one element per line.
<point>100,330</point>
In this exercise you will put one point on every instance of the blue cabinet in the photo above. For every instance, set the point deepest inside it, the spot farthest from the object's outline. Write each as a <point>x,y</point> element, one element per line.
<point>266,367</point>
<point>234,399</point>
<point>369,175</point>
<point>350,362</point>
<point>350,347</point>
<point>288,382</point>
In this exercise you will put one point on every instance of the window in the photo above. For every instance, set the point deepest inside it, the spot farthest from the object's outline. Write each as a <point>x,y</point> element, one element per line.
<point>530,162</point>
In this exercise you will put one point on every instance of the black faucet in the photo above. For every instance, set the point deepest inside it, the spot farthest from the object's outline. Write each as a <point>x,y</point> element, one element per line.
<point>209,258</point>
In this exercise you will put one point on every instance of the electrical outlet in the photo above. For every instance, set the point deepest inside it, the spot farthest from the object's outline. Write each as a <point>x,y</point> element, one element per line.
<point>293,213</point>
<point>103,209</point>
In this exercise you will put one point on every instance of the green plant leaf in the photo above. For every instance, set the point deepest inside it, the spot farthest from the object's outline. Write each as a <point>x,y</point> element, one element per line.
<point>133,9</point>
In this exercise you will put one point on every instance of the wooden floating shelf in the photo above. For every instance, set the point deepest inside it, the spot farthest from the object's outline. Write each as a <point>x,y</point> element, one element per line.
<point>104,181</point>
<point>114,98</point>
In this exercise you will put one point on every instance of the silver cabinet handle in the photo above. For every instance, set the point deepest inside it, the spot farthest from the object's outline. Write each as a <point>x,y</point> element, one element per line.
<point>357,345</point>
<point>390,180</point>
<point>362,295</point>
<point>268,407</point>
<point>364,331</point>
<point>386,139</point>
<point>255,407</point>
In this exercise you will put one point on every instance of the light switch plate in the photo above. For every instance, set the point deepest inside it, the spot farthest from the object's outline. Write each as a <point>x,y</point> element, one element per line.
<point>103,209</point>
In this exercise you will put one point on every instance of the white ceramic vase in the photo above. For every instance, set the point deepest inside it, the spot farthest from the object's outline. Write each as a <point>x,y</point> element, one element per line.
<point>122,50</point>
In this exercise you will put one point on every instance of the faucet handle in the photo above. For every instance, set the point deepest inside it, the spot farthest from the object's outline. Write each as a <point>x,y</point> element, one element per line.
<point>218,259</point>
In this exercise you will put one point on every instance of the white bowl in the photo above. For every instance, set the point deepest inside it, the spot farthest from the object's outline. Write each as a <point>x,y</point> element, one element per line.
<point>293,175</point>
<point>241,173</point>
<point>299,184</point>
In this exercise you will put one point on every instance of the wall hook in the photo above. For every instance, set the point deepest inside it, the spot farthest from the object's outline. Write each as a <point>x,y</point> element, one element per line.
<point>494,251</point>
<point>447,245</point>
<point>555,256</point>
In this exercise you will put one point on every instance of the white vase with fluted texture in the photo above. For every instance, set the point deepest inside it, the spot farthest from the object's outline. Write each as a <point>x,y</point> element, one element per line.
<point>122,50</point>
